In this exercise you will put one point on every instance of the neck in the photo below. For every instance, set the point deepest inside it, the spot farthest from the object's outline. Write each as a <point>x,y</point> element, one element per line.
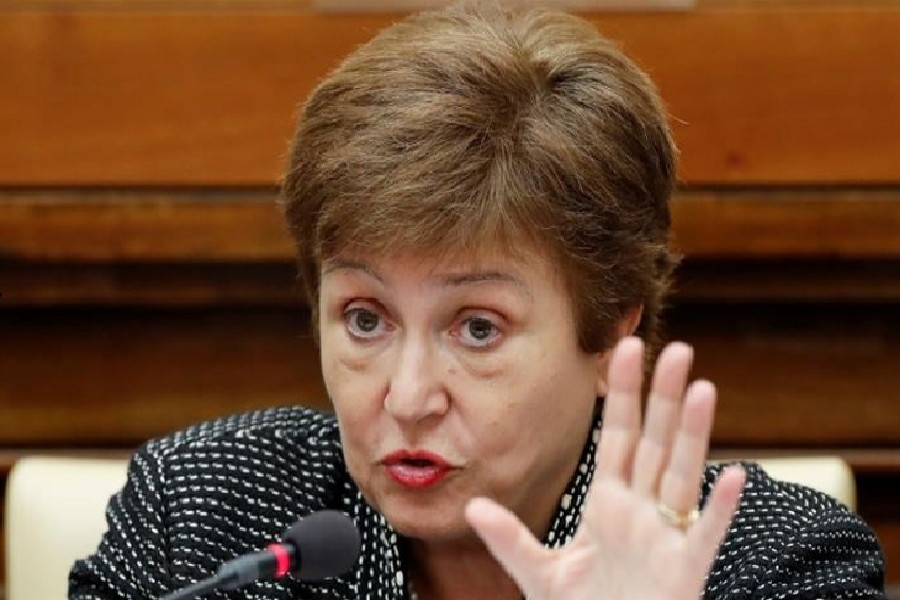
<point>458,570</point>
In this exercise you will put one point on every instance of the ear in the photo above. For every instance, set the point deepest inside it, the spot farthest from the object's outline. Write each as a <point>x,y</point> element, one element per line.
<point>626,327</point>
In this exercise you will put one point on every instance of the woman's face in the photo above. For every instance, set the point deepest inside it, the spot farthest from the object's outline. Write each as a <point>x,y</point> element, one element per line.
<point>454,380</point>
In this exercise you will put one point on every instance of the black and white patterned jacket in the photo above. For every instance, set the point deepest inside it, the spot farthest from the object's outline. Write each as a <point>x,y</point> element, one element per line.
<point>207,494</point>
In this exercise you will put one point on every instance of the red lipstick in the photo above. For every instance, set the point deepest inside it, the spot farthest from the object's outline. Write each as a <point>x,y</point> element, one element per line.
<point>416,469</point>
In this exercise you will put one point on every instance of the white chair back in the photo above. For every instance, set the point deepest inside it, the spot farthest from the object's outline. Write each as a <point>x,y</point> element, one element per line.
<point>54,516</point>
<point>829,474</point>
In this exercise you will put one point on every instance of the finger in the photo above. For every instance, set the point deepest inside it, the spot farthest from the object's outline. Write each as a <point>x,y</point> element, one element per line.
<point>621,411</point>
<point>680,485</point>
<point>661,422</point>
<point>510,542</point>
<point>707,534</point>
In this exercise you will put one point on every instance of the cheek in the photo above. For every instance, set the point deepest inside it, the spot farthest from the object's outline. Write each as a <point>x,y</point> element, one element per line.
<point>356,390</point>
<point>346,367</point>
<point>532,397</point>
<point>496,415</point>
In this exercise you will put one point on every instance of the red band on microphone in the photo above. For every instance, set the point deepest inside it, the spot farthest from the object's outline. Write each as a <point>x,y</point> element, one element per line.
<point>282,558</point>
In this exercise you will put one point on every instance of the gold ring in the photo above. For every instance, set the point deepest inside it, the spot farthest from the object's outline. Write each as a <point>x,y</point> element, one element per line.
<point>678,520</point>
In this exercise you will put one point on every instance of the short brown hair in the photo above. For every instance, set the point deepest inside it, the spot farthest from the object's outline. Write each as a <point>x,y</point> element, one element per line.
<point>482,126</point>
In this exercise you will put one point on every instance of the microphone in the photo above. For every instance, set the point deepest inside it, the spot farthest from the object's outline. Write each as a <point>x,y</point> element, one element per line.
<point>320,545</point>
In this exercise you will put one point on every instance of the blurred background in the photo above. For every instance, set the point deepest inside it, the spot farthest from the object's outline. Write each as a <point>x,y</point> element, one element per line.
<point>147,281</point>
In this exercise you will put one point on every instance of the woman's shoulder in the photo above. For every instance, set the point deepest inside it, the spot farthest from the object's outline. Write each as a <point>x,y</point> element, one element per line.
<point>277,452</point>
<point>790,540</point>
<point>243,479</point>
<point>282,424</point>
<point>213,491</point>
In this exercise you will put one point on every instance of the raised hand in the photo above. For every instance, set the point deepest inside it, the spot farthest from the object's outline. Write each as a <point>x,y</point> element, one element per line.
<point>640,536</point>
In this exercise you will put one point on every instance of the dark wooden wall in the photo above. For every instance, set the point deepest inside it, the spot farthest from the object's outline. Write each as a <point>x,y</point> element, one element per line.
<point>147,283</point>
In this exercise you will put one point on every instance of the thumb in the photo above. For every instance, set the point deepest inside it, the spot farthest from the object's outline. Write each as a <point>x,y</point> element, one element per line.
<point>510,542</point>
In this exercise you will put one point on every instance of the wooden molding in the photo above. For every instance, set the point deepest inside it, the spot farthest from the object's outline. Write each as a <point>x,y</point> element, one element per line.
<point>237,226</point>
<point>780,223</point>
<point>143,226</point>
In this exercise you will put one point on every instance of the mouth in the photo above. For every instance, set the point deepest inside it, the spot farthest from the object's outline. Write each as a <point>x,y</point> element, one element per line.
<point>415,469</point>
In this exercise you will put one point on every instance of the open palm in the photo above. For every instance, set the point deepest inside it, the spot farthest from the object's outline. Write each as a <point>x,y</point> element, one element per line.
<point>625,546</point>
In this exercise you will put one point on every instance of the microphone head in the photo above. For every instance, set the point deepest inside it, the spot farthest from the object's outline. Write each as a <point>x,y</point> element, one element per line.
<point>327,544</point>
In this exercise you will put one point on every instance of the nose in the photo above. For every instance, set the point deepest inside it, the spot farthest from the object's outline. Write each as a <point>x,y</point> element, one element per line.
<point>416,391</point>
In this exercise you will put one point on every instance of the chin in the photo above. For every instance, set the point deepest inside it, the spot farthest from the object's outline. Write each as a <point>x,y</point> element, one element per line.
<point>421,517</point>
<point>429,528</point>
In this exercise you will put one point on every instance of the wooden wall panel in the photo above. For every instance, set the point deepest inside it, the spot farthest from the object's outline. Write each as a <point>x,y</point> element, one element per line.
<point>105,376</point>
<point>774,94</point>
<point>798,374</point>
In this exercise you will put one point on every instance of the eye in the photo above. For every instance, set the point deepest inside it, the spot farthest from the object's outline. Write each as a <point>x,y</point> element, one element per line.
<point>478,332</point>
<point>363,323</point>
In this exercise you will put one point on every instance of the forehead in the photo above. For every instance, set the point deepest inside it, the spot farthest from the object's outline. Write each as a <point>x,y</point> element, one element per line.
<point>486,262</point>
<point>526,269</point>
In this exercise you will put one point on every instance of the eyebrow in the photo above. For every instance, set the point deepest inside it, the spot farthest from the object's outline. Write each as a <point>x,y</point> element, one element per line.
<point>338,264</point>
<point>482,277</point>
<point>474,277</point>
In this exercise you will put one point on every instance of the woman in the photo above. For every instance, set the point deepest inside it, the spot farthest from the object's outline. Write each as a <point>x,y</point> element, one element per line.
<point>480,200</point>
